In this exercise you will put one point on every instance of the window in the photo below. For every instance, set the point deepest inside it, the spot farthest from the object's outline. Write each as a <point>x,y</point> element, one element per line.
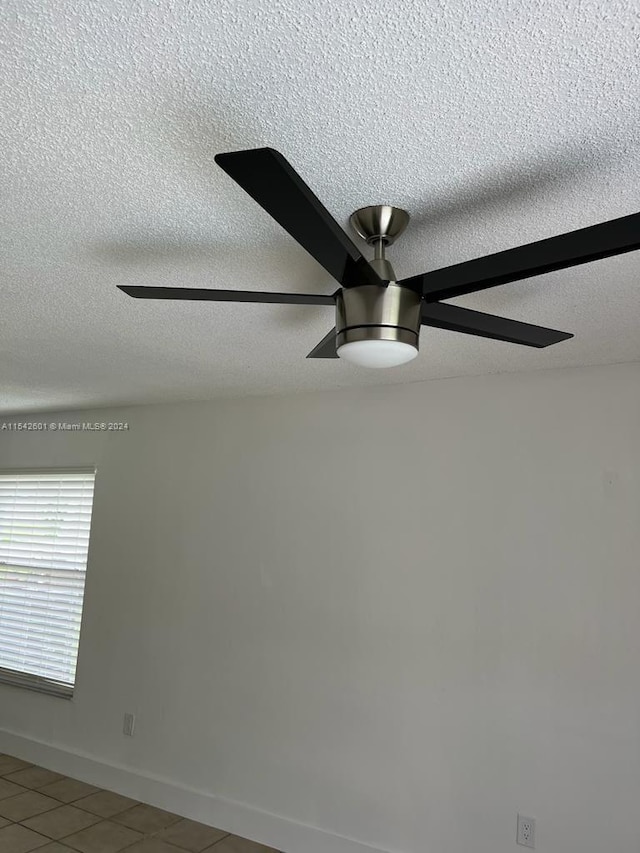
<point>45,517</point>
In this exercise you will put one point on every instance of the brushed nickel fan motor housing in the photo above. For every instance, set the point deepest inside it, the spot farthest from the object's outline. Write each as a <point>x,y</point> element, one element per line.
<point>369,312</point>
<point>372,313</point>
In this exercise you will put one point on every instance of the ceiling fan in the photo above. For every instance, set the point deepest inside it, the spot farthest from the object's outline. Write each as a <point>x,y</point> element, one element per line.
<point>378,318</point>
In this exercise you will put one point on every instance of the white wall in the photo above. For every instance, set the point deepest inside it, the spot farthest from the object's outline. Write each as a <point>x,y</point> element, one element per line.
<point>398,614</point>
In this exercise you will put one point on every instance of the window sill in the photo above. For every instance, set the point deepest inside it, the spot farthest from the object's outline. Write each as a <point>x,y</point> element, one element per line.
<point>35,682</point>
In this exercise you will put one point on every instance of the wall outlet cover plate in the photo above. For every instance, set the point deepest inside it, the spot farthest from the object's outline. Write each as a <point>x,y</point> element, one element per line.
<point>526,831</point>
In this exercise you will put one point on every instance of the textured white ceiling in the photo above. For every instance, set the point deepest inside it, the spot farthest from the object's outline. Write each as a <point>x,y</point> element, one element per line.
<point>493,122</point>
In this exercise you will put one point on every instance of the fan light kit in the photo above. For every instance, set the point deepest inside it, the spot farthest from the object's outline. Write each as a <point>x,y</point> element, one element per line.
<point>377,352</point>
<point>378,317</point>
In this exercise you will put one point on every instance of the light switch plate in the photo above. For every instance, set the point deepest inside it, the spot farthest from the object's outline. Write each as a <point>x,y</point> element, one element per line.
<point>128,724</point>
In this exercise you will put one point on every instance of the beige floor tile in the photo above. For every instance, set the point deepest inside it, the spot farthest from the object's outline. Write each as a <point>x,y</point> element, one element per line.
<point>104,837</point>
<point>105,803</point>
<point>67,790</point>
<point>152,845</point>
<point>26,805</point>
<point>191,836</point>
<point>82,828</point>
<point>61,821</point>
<point>10,789</point>
<point>8,764</point>
<point>33,777</point>
<point>146,819</point>
<point>17,839</point>
<point>235,844</point>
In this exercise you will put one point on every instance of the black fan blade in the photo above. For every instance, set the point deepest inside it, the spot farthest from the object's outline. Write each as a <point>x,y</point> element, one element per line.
<point>271,181</point>
<point>202,293</point>
<point>555,253</point>
<point>326,348</point>
<point>488,326</point>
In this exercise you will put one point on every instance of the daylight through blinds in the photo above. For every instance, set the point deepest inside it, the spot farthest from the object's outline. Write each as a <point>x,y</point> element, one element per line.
<point>45,519</point>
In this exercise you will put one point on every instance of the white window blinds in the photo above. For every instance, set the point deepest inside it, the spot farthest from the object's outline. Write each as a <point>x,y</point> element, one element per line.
<point>45,518</point>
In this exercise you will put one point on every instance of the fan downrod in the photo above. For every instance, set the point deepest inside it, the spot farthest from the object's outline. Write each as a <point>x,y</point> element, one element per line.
<point>380,225</point>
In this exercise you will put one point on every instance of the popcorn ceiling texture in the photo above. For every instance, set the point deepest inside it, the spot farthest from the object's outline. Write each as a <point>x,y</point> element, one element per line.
<point>494,123</point>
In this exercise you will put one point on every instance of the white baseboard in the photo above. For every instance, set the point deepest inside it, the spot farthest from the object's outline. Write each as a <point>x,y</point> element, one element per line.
<point>238,818</point>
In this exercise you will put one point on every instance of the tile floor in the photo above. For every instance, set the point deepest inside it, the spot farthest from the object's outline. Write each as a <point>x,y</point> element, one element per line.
<point>44,811</point>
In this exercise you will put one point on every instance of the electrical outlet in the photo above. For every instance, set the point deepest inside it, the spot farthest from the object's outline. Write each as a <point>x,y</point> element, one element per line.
<point>129,724</point>
<point>526,831</point>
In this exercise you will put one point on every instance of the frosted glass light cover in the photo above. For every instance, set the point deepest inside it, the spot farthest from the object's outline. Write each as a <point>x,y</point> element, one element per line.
<point>377,353</point>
